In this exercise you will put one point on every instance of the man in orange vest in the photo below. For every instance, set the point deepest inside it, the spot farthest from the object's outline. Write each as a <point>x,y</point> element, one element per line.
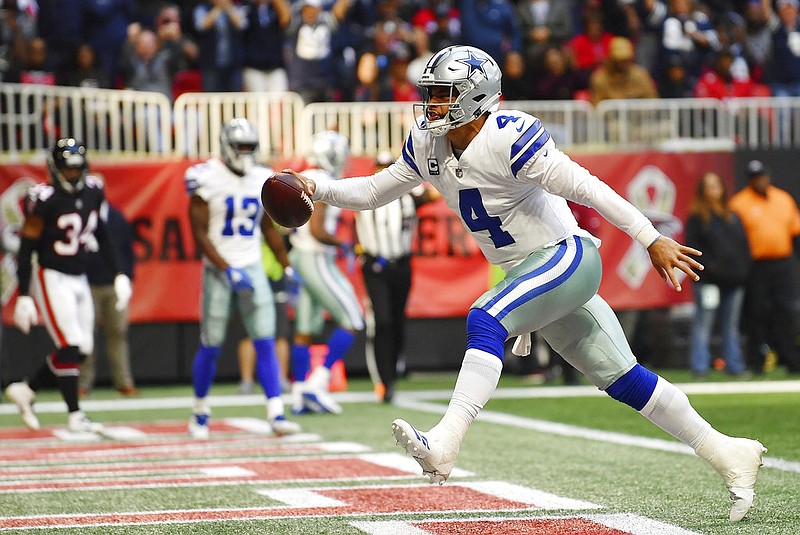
<point>772,222</point>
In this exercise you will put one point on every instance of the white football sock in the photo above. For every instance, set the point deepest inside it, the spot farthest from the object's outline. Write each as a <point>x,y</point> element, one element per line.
<point>200,406</point>
<point>275,407</point>
<point>477,381</point>
<point>669,409</point>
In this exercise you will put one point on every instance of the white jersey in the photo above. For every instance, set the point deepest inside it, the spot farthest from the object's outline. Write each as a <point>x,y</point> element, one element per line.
<point>301,238</point>
<point>234,208</point>
<point>510,187</point>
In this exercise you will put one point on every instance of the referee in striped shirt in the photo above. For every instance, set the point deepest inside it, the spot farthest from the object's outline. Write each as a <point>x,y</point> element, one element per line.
<point>385,236</point>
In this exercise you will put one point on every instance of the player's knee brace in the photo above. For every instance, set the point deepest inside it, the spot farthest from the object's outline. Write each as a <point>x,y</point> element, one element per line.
<point>484,332</point>
<point>635,387</point>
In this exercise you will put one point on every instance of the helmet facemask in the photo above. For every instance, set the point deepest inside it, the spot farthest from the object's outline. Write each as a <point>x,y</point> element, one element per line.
<point>452,118</point>
<point>239,146</point>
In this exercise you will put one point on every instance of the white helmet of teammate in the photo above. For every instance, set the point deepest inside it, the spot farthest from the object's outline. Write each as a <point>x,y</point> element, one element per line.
<point>329,151</point>
<point>474,80</point>
<point>239,145</point>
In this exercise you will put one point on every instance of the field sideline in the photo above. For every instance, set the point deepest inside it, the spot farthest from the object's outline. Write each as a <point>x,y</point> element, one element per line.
<point>539,459</point>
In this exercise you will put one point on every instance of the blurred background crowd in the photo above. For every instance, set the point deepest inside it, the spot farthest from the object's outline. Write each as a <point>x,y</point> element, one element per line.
<point>374,50</point>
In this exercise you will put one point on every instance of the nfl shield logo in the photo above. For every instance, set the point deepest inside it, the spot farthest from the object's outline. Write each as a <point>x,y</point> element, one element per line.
<point>459,172</point>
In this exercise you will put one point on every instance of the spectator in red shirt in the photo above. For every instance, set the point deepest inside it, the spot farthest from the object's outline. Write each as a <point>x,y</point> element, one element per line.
<point>438,16</point>
<point>36,67</point>
<point>719,81</point>
<point>590,47</point>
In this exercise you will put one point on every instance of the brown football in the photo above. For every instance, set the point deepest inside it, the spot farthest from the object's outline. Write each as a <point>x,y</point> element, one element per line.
<point>285,200</point>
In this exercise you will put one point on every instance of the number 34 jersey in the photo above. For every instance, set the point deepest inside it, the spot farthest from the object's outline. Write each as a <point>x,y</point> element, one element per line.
<point>234,208</point>
<point>70,221</point>
<point>510,186</point>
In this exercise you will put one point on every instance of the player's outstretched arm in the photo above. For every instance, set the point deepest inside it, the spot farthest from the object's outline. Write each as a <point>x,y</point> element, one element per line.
<point>362,192</point>
<point>666,254</point>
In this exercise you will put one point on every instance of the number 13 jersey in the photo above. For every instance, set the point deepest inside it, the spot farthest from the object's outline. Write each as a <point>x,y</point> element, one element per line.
<point>234,208</point>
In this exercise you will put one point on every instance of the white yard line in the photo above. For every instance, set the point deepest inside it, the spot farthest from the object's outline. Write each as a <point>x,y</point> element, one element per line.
<point>401,398</point>
<point>423,401</point>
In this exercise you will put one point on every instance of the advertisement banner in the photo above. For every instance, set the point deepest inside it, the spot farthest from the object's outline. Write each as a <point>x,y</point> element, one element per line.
<point>449,270</point>
<point>661,185</point>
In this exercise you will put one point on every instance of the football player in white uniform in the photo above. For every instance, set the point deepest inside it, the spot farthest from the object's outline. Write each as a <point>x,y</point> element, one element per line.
<point>325,287</point>
<point>227,224</point>
<point>502,174</point>
<point>63,222</point>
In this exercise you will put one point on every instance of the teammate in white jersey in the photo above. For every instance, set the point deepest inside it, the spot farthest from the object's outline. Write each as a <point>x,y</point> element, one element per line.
<point>502,173</point>
<point>325,287</point>
<point>227,224</point>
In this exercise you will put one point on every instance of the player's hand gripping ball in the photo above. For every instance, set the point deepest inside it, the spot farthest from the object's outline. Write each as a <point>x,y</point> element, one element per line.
<point>285,200</point>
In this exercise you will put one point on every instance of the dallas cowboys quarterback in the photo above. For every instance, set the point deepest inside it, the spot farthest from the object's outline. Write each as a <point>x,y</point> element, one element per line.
<point>502,173</point>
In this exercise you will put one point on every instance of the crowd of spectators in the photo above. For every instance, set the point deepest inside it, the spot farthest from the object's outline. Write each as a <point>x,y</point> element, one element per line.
<point>371,50</point>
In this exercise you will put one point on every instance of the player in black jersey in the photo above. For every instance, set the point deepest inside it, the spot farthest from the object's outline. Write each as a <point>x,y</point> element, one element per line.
<point>64,220</point>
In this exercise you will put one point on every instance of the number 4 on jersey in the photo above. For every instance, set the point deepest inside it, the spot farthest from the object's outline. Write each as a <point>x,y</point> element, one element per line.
<point>477,219</point>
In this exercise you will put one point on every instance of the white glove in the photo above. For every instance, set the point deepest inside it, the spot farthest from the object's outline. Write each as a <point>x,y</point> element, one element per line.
<point>522,345</point>
<point>25,313</point>
<point>123,290</point>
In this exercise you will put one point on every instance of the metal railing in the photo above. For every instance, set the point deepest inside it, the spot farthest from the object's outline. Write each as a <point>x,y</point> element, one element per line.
<point>135,124</point>
<point>371,127</point>
<point>119,122</point>
<point>570,122</point>
<point>199,117</point>
<point>648,122</point>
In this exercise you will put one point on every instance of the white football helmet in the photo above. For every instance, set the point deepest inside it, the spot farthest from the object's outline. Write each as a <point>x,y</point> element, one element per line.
<point>474,80</point>
<point>238,141</point>
<point>329,151</point>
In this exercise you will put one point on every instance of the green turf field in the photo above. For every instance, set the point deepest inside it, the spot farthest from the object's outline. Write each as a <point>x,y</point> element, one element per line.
<point>244,482</point>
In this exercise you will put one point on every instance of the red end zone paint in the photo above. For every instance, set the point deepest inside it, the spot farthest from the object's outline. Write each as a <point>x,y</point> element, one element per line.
<point>356,501</point>
<point>545,526</point>
<point>216,447</point>
<point>590,524</point>
<point>177,429</point>
<point>195,474</point>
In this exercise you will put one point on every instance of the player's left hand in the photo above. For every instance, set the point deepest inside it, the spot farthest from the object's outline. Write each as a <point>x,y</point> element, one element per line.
<point>25,313</point>
<point>239,280</point>
<point>123,291</point>
<point>667,255</point>
<point>293,282</point>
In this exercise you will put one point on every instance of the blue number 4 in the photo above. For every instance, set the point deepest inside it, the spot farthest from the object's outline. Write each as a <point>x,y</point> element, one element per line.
<point>477,219</point>
<point>248,211</point>
<point>503,120</point>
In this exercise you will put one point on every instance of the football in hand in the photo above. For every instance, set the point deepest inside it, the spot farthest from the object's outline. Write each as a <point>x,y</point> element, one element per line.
<point>285,200</point>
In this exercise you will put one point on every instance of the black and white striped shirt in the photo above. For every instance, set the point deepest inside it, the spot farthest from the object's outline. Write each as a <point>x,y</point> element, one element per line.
<point>386,232</point>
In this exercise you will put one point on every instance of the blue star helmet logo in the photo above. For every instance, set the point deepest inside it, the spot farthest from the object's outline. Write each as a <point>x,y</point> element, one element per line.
<point>474,63</point>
